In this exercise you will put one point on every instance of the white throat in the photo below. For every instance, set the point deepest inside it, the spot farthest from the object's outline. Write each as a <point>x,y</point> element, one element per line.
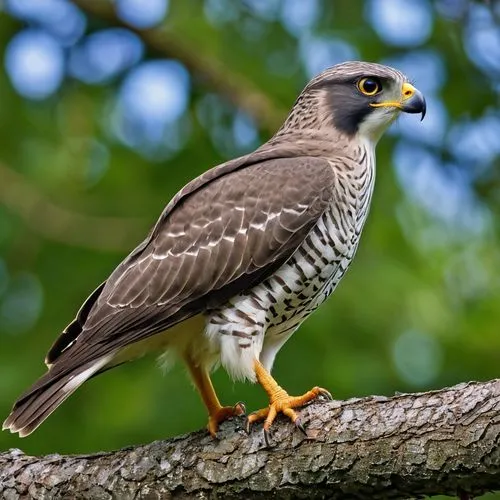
<point>375,124</point>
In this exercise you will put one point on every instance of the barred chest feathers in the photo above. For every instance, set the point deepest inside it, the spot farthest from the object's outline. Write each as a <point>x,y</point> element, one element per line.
<point>258,322</point>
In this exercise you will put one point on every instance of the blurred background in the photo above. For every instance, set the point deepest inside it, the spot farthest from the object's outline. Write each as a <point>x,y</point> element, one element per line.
<point>107,109</point>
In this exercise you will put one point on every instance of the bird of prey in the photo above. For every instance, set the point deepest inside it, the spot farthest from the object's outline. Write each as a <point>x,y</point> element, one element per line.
<point>241,255</point>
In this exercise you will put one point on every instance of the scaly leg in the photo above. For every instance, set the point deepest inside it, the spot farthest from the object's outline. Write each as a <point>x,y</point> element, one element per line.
<point>280,401</point>
<point>216,412</point>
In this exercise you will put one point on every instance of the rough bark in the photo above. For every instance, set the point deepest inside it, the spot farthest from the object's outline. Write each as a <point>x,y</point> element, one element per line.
<point>441,442</point>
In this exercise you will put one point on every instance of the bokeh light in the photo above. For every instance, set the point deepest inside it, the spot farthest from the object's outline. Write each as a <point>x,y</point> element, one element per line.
<point>265,9</point>
<point>426,67</point>
<point>401,23</point>
<point>476,142</point>
<point>445,192</point>
<point>152,98</point>
<point>417,358</point>
<point>482,39</point>
<point>142,13</point>
<point>299,16</point>
<point>219,12</point>
<point>244,132</point>
<point>104,54</point>
<point>452,9</point>
<point>319,53</point>
<point>21,303</point>
<point>432,130</point>
<point>35,64</point>
<point>61,18</point>
<point>219,120</point>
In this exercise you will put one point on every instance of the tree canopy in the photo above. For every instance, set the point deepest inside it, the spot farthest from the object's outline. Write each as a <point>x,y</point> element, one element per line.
<point>106,110</point>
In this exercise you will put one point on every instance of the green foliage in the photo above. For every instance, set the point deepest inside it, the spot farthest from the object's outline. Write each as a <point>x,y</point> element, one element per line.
<point>418,310</point>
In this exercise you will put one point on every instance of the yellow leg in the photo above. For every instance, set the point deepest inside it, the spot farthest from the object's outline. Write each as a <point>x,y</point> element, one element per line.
<point>216,412</point>
<point>280,401</point>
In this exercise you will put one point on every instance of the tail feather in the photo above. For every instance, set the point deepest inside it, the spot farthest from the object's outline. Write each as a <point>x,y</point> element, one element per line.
<point>31,409</point>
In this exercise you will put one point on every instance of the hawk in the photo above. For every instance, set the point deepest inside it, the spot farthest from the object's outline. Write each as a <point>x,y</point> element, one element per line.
<point>241,255</point>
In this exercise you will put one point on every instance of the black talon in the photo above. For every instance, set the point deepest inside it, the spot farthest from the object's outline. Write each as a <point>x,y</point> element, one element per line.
<point>266,438</point>
<point>300,426</point>
<point>242,407</point>
<point>326,395</point>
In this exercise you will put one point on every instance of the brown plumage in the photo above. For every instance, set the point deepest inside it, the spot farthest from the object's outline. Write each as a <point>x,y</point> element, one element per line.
<point>241,255</point>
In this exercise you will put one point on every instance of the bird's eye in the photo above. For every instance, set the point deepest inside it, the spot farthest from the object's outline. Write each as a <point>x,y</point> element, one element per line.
<point>369,86</point>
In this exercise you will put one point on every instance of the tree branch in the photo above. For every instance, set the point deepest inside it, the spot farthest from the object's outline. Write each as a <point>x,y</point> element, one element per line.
<point>441,442</point>
<point>236,88</point>
<point>59,224</point>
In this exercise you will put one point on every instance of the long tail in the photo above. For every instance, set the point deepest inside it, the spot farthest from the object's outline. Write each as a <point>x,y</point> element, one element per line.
<point>46,394</point>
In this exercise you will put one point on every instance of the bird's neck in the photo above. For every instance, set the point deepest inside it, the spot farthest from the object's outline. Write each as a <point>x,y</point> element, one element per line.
<point>325,142</point>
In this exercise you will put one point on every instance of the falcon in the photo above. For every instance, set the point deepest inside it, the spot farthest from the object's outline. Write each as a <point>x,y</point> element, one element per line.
<point>241,255</point>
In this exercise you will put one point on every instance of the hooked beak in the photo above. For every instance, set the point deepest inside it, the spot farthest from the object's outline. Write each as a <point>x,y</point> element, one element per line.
<point>412,101</point>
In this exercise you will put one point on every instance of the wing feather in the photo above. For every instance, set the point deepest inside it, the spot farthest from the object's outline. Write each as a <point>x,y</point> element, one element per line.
<point>214,240</point>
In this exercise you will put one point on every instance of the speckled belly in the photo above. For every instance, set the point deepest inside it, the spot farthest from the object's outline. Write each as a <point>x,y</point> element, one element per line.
<point>309,277</point>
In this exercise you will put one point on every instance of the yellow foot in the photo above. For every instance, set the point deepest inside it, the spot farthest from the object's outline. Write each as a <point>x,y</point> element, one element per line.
<point>223,413</point>
<point>281,402</point>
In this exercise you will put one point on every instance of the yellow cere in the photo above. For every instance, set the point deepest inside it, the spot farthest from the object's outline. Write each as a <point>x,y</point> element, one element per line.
<point>407,91</point>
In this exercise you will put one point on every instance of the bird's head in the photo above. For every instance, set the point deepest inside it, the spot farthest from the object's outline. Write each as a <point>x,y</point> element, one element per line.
<point>356,98</point>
